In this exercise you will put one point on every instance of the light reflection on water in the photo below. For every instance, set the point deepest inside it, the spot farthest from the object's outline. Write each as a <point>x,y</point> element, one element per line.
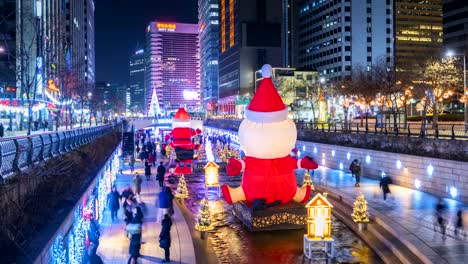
<point>233,243</point>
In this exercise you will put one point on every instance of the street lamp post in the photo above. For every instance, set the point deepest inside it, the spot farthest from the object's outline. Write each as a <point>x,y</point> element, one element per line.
<point>465,93</point>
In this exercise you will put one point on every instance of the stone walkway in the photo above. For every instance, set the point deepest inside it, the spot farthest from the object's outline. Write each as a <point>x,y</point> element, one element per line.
<point>113,247</point>
<point>413,210</point>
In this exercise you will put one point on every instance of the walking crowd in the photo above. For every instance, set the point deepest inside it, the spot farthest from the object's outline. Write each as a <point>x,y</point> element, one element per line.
<point>132,208</point>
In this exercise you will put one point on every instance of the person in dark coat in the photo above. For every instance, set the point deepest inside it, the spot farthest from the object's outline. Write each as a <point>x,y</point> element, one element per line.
<point>165,237</point>
<point>161,173</point>
<point>113,202</point>
<point>459,221</point>
<point>135,240</point>
<point>147,170</point>
<point>2,130</point>
<point>384,182</point>
<point>355,168</point>
<point>440,215</point>
<point>93,235</point>
<point>127,192</point>
<point>165,202</point>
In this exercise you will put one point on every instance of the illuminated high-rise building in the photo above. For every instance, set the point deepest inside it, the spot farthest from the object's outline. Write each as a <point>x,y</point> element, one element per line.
<point>337,35</point>
<point>250,35</point>
<point>172,66</point>
<point>456,26</point>
<point>208,22</point>
<point>418,32</point>
<point>136,87</point>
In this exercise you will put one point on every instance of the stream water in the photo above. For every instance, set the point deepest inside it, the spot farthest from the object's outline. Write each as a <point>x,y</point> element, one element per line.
<point>233,243</point>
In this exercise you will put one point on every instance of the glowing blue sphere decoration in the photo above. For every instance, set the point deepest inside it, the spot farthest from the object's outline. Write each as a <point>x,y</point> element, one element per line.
<point>430,169</point>
<point>417,183</point>
<point>453,191</point>
<point>367,159</point>
<point>398,164</point>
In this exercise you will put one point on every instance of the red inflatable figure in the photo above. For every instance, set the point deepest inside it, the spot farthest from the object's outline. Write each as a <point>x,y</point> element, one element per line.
<point>267,136</point>
<point>181,138</point>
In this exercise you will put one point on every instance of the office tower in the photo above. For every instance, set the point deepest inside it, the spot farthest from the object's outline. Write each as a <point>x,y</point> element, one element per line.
<point>7,44</point>
<point>455,21</point>
<point>336,35</point>
<point>172,71</point>
<point>418,33</point>
<point>250,36</point>
<point>208,22</point>
<point>136,88</point>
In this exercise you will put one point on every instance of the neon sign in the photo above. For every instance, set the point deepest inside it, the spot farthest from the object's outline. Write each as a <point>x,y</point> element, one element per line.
<point>166,27</point>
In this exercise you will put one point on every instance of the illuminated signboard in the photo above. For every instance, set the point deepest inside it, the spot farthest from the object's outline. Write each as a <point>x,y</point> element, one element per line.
<point>52,86</point>
<point>191,95</point>
<point>166,26</point>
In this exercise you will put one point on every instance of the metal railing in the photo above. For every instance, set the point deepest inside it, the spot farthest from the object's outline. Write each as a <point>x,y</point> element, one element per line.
<point>17,153</point>
<point>442,130</point>
<point>411,129</point>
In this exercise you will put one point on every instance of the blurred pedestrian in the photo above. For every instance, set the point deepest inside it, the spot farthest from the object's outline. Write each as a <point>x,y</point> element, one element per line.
<point>121,164</point>
<point>459,221</point>
<point>385,181</point>
<point>2,130</point>
<point>134,228</point>
<point>161,172</point>
<point>46,124</point>
<point>440,215</point>
<point>132,163</point>
<point>165,237</point>
<point>147,170</point>
<point>92,235</point>
<point>355,168</point>
<point>137,149</point>
<point>165,202</point>
<point>137,183</point>
<point>113,202</point>
<point>126,193</point>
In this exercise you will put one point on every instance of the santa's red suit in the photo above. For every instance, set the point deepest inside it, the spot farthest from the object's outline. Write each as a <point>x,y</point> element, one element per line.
<point>182,137</point>
<point>270,179</point>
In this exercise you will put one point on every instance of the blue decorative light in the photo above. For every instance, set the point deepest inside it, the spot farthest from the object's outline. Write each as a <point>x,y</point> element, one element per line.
<point>303,148</point>
<point>453,191</point>
<point>59,253</point>
<point>398,164</point>
<point>333,153</point>
<point>367,159</point>
<point>382,174</point>
<point>341,165</point>
<point>323,162</point>
<point>315,150</point>
<point>417,183</point>
<point>430,169</point>
<point>348,155</point>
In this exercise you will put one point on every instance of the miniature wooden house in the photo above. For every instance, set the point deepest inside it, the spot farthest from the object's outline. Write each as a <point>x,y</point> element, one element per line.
<point>319,217</point>
<point>211,174</point>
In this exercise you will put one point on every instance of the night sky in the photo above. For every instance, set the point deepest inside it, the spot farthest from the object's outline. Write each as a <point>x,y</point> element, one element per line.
<point>120,28</point>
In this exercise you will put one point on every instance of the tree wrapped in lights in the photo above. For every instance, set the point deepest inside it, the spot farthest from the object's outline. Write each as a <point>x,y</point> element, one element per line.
<point>202,152</point>
<point>204,219</point>
<point>360,213</point>
<point>168,151</point>
<point>182,192</point>
<point>308,180</point>
<point>59,255</point>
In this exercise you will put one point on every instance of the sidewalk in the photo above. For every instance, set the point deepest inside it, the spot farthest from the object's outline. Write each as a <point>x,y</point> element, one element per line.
<point>113,247</point>
<point>413,210</point>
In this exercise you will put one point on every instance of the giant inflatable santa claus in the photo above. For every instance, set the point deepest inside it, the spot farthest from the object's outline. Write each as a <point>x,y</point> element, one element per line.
<point>267,136</point>
<point>181,140</point>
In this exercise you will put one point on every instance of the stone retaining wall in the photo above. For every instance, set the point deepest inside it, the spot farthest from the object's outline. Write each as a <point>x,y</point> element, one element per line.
<point>441,177</point>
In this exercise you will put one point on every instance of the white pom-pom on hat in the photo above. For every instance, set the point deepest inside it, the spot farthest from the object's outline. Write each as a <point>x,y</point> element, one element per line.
<point>267,71</point>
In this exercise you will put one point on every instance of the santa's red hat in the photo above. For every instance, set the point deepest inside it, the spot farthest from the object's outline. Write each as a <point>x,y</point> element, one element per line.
<point>266,105</point>
<point>181,116</point>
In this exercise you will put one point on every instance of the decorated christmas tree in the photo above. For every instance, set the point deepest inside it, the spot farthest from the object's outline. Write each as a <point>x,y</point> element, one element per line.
<point>201,153</point>
<point>182,191</point>
<point>168,151</point>
<point>204,220</point>
<point>308,180</point>
<point>360,213</point>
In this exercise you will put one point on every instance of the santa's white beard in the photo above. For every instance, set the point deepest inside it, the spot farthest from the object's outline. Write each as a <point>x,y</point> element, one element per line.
<point>267,140</point>
<point>180,124</point>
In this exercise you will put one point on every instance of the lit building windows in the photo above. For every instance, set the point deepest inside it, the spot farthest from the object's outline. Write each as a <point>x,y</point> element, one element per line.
<point>231,23</point>
<point>223,25</point>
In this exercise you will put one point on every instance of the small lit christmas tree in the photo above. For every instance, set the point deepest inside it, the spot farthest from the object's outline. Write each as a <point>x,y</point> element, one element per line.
<point>308,180</point>
<point>182,191</point>
<point>204,219</point>
<point>202,152</point>
<point>360,213</point>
